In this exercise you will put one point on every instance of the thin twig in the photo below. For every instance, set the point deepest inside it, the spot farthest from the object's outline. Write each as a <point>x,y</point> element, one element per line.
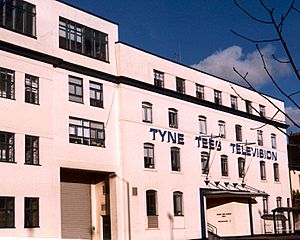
<point>272,118</point>
<point>278,60</point>
<point>255,41</point>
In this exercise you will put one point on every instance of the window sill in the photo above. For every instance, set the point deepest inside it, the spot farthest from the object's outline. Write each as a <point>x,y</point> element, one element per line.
<point>8,98</point>
<point>24,34</point>
<point>76,102</point>
<point>32,227</point>
<point>7,162</point>
<point>31,164</point>
<point>150,169</point>
<point>7,227</point>
<point>36,104</point>
<point>176,172</point>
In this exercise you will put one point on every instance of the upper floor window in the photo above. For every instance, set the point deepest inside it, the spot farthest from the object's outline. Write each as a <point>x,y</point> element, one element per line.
<point>147,112</point>
<point>241,167</point>
<point>238,133</point>
<point>178,203</point>
<point>279,202</point>
<point>86,132</point>
<point>262,165</point>
<point>19,16</point>
<point>175,158</point>
<point>200,91</point>
<point>31,89</point>
<point>248,106</point>
<point>265,205</point>
<point>180,85</point>
<point>260,140</point>
<point>31,150</point>
<point>276,172</point>
<point>7,212</point>
<point>31,212</point>
<point>262,110</point>
<point>224,165</point>
<point>273,140</point>
<point>204,162</point>
<point>202,125</point>
<point>75,89</point>
<point>149,155</point>
<point>7,147</point>
<point>222,129</point>
<point>81,39</point>
<point>7,83</point>
<point>151,203</point>
<point>96,94</point>
<point>159,78</point>
<point>234,102</point>
<point>173,118</point>
<point>218,97</point>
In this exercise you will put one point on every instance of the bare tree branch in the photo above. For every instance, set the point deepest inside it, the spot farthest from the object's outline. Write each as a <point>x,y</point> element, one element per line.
<point>294,93</point>
<point>296,9</point>
<point>278,60</point>
<point>280,25</point>
<point>255,41</point>
<point>272,118</point>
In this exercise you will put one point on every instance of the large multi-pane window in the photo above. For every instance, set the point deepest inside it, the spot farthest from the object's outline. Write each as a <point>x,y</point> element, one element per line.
<point>180,85</point>
<point>31,89</point>
<point>200,91</point>
<point>19,16</point>
<point>224,165</point>
<point>149,155</point>
<point>86,132</point>
<point>7,83</point>
<point>159,78</point>
<point>96,94</point>
<point>147,112</point>
<point>218,97</point>
<point>276,172</point>
<point>31,213</point>
<point>7,212</point>
<point>32,150</point>
<point>248,106</point>
<point>175,159</point>
<point>151,203</point>
<point>222,129</point>
<point>75,89</point>
<point>202,125</point>
<point>204,162</point>
<point>178,203</point>
<point>81,39</point>
<point>7,147</point>
<point>173,118</point>
<point>234,102</point>
<point>273,140</point>
<point>238,133</point>
<point>262,110</point>
<point>260,140</point>
<point>262,166</point>
<point>241,167</point>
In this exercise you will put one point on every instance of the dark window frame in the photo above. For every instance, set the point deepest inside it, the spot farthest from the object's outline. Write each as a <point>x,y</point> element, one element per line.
<point>180,85</point>
<point>77,96</point>
<point>224,166</point>
<point>234,102</point>
<point>279,202</point>
<point>222,128</point>
<point>173,117</point>
<point>175,159</point>
<point>218,97</point>
<point>147,112</point>
<point>200,91</point>
<point>262,110</point>
<point>7,147</point>
<point>7,83</point>
<point>241,167</point>
<point>151,203</point>
<point>204,162</point>
<point>96,89</point>
<point>31,212</point>
<point>273,141</point>
<point>276,172</point>
<point>248,105</point>
<point>31,89</point>
<point>265,205</point>
<point>178,203</point>
<point>260,138</point>
<point>202,124</point>
<point>148,159</point>
<point>7,211</point>
<point>159,79</point>
<point>32,150</point>
<point>262,168</point>
<point>238,133</point>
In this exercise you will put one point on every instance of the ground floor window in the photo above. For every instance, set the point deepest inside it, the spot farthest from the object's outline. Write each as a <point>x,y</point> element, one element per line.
<point>177,202</point>
<point>151,202</point>
<point>31,212</point>
<point>7,212</point>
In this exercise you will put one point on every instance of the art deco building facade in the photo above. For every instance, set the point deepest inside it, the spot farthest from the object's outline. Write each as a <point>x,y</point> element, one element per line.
<point>101,140</point>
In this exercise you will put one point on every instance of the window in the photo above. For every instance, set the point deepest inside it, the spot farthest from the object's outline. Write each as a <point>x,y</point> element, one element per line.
<point>278,202</point>
<point>19,16</point>
<point>75,89</point>
<point>7,147</point>
<point>31,89</point>
<point>273,140</point>
<point>180,85</point>
<point>7,82</point>
<point>86,132</point>
<point>224,165</point>
<point>234,102</point>
<point>222,131</point>
<point>260,140</point>
<point>151,202</point>
<point>96,94</point>
<point>218,97</point>
<point>265,206</point>
<point>262,110</point>
<point>200,91</point>
<point>241,166</point>
<point>238,133</point>
<point>175,159</point>
<point>262,165</point>
<point>248,106</point>
<point>31,213</point>
<point>31,150</point>
<point>202,125</point>
<point>7,212</point>
<point>177,202</point>
<point>276,172</point>
<point>173,119</point>
<point>204,162</point>
<point>158,79</point>
<point>148,155</point>
<point>147,112</point>
<point>84,40</point>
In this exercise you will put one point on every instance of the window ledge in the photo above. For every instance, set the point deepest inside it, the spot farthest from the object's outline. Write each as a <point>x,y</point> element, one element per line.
<point>35,104</point>
<point>7,162</point>
<point>150,169</point>
<point>31,164</point>
<point>177,172</point>
<point>32,227</point>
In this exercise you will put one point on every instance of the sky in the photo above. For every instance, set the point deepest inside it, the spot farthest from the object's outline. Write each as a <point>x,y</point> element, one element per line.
<point>198,33</point>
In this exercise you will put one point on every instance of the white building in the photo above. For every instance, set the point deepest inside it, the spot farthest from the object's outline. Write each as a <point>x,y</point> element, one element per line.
<point>101,140</point>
